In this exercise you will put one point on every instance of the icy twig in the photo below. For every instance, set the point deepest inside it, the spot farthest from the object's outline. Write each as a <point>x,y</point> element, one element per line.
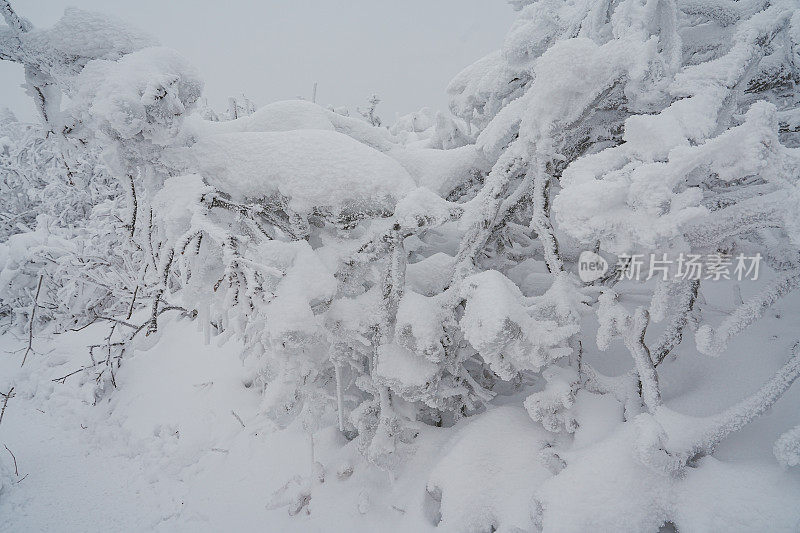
<point>488,203</point>
<point>30,323</point>
<point>8,395</point>
<point>137,330</point>
<point>16,470</point>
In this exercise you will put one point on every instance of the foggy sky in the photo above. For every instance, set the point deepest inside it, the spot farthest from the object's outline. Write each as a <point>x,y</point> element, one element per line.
<point>404,51</point>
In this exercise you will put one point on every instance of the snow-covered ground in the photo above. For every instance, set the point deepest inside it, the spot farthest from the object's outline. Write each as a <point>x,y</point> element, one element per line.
<point>295,318</point>
<point>180,445</point>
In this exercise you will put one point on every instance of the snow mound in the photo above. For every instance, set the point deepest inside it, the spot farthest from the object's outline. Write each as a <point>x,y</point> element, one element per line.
<point>419,324</point>
<point>288,115</point>
<point>422,207</point>
<point>487,478</point>
<point>430,275</point>
<point>498,324</point>
<point>312,168</point>
<point>442,170</point>
<point>731,496</point>
<point>605,488</point>
<point>292,115</point>
<point>306,283</point>
<point>400,365</point>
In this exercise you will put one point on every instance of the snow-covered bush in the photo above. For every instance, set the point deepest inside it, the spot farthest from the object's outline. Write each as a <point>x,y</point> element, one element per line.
<point>83,181</point>
<point>385,279</point>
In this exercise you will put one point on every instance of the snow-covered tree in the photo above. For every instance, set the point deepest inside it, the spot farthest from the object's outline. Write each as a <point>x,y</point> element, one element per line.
<point>99,157</point>
<point>383,279</point>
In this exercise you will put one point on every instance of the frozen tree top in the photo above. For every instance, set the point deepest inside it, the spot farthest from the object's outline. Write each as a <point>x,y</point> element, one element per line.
<point>144,91</point>
<point>81,36</point>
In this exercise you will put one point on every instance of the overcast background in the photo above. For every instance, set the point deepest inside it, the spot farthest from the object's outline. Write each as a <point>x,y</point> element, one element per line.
<point>404,51</point>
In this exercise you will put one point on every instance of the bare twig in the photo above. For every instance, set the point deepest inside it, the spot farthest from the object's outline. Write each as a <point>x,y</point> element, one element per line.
<point>33,317</point>
<point>133,301</point>
<point>16,470</point>
<point>107,345</point>
<point>84,326</point>
<point>137,330</point>
<point>117,321</point>
<point>6,397</point>
<point>131,225</point>
<point>237,417</point>
<point>63,379</point>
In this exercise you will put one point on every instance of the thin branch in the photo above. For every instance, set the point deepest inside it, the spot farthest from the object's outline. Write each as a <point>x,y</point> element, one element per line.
<point>16,470</point>
<point>133,301</point>
<point>138,329</point>
<point>33,317</point>
<point>118,321</point>
<point>6,397</point>
<point>134,206</point>
<point>63,379</point>
<point>83,326</point>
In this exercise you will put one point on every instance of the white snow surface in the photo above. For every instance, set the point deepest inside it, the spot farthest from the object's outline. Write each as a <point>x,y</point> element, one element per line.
<point>313,168</point>
<point>441,170</point>
<point>284,115</point>
<point>403,366</point>
<point>409,362</point>
<point>165,452</point>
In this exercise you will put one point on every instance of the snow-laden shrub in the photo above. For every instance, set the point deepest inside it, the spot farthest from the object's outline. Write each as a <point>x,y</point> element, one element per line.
<point>59,206</point>
<point>135,104</point>
<point>96,162</point>
<point>644,134</point>
<point>381,279</point>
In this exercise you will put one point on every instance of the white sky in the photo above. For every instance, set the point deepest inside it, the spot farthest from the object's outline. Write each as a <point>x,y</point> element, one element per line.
<point>404,51</point>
